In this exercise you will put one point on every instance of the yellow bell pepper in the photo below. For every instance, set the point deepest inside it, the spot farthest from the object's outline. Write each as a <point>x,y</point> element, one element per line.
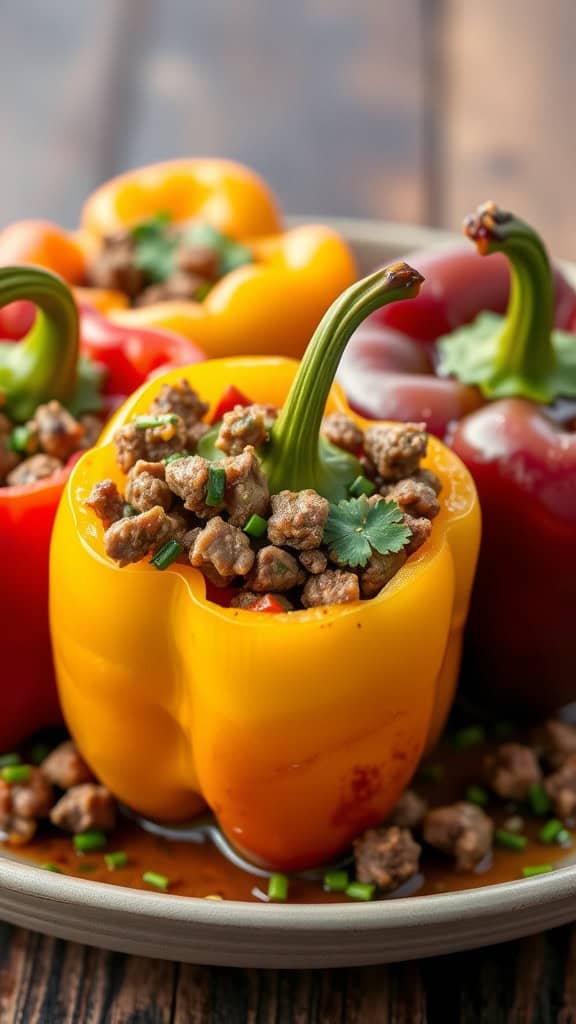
<point>298,729</point>
<point>269,306</point>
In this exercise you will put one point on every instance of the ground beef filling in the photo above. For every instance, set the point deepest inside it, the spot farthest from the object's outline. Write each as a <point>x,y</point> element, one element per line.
<point>162,262</point>
<point>240,535</point>
<point>39,448</point>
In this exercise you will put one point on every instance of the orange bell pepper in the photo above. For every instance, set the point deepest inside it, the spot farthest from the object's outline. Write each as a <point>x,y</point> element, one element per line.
<point>269,306</point>
<point>299,729</point>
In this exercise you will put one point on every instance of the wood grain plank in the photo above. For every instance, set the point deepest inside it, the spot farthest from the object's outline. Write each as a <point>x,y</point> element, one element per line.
<point>324,99</point>
<point>509,79</point>
<point>62,95</point>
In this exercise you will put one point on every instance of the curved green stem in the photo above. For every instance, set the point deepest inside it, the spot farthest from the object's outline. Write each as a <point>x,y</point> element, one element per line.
<point>44,364</point>
<point>524,356</point>
<point>296,457</point>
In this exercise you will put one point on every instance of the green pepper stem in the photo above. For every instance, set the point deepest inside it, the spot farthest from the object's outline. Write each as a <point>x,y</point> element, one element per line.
<point>43,365</point>
<point>524,357</point>
<point>296,457</point>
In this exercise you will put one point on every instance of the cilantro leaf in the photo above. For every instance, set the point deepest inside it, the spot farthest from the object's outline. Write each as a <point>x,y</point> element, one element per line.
<point>155,248</point>
<point>354,529</point>
<point>230,254</point>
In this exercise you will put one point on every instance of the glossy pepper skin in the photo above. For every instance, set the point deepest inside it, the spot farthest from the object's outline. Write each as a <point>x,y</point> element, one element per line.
<point>388,369</point>
<point>40,367</point>
<point>298,729</point>
<point>269,306</point>
<point>521,450</point>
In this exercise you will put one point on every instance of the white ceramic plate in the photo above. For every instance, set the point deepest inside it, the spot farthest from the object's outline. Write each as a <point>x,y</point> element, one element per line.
<point>259,935</point>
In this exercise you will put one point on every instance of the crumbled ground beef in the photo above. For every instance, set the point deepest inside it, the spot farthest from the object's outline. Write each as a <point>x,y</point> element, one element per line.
<point>8,458</point>
<point>91,430</point>
<point>247,491</point>
<point>25,800</point>
<point>181,400</point>
<point>188,478</point>
<point>223,547</point>
<point>132,539</point>
<point>512,770</point>
<point>298,519</point>
<point>152,444</point>
<point>426,476</point>
<point>386,857</point>
<point>244,598</point>
<point>409,811</point>
<point>58,432</point>
<point>396,450</point>
<point>314,561</point>
<point>37,467</point>
<point>115,268</point>
<point>342,431</point>
<point>420,529</point>
<point>461,830</point>
<point>243,425</point>
<point>414,497</point>
<point>65,768</point>
<point>335,586</point>
<point>561,788</point>
<point>146,486</point>
<point>106,501</point>
<point>85,807</point>
<point>379,571</point>
<point>560,741</point>
<point>275,570</point>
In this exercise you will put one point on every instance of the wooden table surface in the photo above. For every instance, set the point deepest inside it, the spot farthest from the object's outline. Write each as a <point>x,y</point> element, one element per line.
<point>412,111</point>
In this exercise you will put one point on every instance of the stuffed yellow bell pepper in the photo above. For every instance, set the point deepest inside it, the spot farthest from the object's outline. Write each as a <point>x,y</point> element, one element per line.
<point>197,246</point>
<point>299,729</point>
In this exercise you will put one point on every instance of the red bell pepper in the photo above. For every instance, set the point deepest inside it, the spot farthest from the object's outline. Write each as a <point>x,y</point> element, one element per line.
<point>503,388</point>
<point>44,365</point>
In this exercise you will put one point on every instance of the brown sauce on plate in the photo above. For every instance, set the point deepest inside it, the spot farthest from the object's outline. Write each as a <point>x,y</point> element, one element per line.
<point>201,871</point>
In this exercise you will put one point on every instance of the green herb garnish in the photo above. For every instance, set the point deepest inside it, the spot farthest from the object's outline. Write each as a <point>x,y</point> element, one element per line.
<point>155,248</point>
<point>538,799</point>
<point>477,795</point>
<point>510,839</point>
<point>6,760</point>
<point>149,422</point>
<point>536,869</point>
<point>175,457</point>
<point>15,773</point>
<point>256,526</point>
<point>89,842</point>
<point>115,860</point>
<point>277,887</point>
<point>336,881</point>
<point>216,486</point>
<point>355,529</point>
<point>550,832</point>
<point>472,736</point>
<point>360,891</point>
<point>167,554</point>
<point>361,485</point>
<point>156,881</point>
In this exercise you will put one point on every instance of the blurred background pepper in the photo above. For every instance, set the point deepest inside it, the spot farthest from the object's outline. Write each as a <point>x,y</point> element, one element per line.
<point>87,376</point>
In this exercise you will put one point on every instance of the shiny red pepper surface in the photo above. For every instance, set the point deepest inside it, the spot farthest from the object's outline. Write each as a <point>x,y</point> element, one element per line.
<point>503,391</point>
<point>27,512</point>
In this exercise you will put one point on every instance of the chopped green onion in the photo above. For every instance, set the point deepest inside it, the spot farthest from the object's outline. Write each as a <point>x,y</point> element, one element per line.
<point>51,867</point>
<point>87,867</point>
<point>16,773</point>
<point>128,511</point>
<point>431,771</point>
<point>361,485</point>
<point>149,422</point>
<point>502,730</point>
<point>256,526</point>
<point>336,881</point>
<point>216,486</point>
<point>510,839</point>
<point>9,759</point>
<point>564,838</point>
<point>19,439</point>
<point>539,799</point>
<point>89,842</point>
<point>174,457</point>
<point>167,554</point>
<point>550,831</point>
<point>39,752</point>
<point>277,887</point>
<point>536,869</point>
<point>199,295</point>
<point>360,891</point>
<point>118,859</point>
<point>472,736</point>
<point>477,795</point>
<point>156,880</point>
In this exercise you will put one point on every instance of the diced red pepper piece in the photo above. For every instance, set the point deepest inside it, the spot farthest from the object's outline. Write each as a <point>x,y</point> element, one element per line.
<point>230,399</point>
<point>266,603</point>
